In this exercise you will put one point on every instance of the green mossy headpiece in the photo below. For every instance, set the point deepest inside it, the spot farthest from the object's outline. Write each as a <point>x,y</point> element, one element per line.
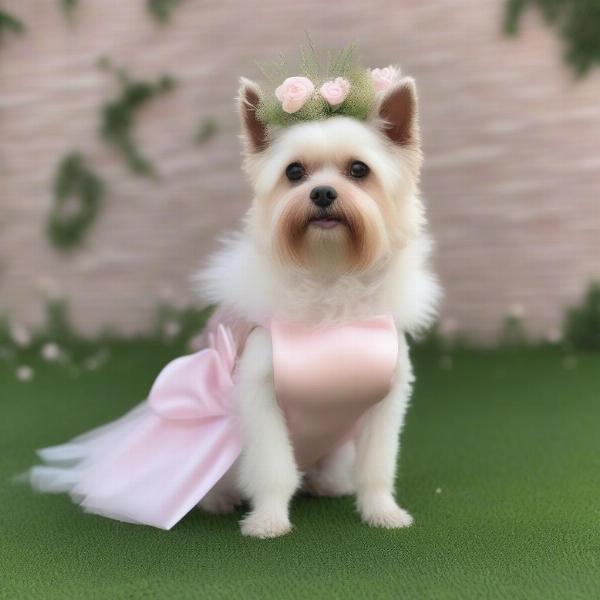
<point>358,103</point>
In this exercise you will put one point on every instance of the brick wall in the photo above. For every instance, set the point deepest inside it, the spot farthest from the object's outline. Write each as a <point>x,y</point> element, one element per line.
<point>512,150</point>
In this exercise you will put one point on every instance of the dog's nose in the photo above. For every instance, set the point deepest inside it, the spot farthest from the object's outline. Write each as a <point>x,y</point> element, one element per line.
<point>323,195</point>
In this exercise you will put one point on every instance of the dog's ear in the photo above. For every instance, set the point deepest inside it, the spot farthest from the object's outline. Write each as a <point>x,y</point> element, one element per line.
<point>254,131</point>
<point>398,113</point>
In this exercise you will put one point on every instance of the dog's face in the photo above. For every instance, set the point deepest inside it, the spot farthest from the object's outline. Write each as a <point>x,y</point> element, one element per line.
<point>336,194</point>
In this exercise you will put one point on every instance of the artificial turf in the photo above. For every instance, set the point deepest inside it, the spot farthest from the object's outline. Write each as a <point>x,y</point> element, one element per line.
<point>500,467</point>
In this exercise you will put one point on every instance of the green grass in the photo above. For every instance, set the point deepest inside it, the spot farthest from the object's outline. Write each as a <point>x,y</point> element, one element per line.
<point>511,438</point>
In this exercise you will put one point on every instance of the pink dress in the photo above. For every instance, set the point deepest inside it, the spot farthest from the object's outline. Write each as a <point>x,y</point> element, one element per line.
<point>153,465</point>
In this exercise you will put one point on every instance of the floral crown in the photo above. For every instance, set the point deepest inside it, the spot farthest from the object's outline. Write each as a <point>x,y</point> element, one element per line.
<point>342,88</point>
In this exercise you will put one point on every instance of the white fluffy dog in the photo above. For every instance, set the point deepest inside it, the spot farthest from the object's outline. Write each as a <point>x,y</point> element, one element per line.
<point>336,232</point>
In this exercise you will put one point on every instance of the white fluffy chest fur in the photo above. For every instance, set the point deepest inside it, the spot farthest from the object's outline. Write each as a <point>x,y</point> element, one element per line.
<point>242,278</point>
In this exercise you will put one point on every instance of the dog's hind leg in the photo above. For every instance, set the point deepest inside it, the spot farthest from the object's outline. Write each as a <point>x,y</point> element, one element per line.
<point>225,496</point>
<point>334,474</point>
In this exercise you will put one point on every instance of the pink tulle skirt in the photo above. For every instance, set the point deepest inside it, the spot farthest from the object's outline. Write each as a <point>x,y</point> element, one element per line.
<point>154,464</point>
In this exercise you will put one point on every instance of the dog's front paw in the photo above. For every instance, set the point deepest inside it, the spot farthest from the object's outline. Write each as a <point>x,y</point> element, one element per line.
<point>381,510</point>
<point>265,524</point>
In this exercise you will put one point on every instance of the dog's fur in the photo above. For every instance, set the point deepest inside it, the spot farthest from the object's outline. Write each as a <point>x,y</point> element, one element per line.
<point>374,261</point>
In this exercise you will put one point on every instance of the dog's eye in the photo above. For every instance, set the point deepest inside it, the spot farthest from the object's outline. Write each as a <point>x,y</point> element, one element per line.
<point>358,169</point>
<point>295,171</point>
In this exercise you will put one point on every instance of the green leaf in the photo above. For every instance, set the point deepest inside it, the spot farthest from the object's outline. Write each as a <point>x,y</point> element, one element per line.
<point>118,116</point>
<point>582,323</point>
<point>68,6</point>
<point>161,10</point>
<point>577,22</point>
<point>11,23</point>
<point>206,130</point>
<point>78,194</point>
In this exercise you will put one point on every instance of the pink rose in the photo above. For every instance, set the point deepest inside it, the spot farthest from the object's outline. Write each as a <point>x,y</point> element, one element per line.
<point>294,92</point>
<point>383,78</point>
<point>335,91</point>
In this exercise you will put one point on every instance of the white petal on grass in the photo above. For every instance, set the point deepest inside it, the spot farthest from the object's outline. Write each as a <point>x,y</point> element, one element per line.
<point>516,311</point>
<point>24,373</point>
<point>20,335</point>
<point>92,363</point>
<point>97,360</point>
<point>171,329</point>
<point>50,352</point>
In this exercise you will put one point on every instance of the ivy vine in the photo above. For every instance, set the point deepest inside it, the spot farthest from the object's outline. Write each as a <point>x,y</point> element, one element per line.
<point>577,21</point>
<point>207,129</point>
<point>582,323</point>
<point>10,23</point>
<point>118,117</point>
<point>68,6</point>
<point>161,9</point>
<point>78,194</point>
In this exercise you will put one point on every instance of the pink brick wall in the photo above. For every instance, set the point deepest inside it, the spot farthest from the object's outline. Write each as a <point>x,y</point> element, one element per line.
<point>512,149</point>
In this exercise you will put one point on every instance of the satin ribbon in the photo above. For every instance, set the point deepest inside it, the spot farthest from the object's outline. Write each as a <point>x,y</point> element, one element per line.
<point>156,463</point>
<point>198,386</point>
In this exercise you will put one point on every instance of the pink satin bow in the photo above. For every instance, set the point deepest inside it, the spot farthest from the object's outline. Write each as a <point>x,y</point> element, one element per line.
<point>197,386</point>
<point>156,463</point>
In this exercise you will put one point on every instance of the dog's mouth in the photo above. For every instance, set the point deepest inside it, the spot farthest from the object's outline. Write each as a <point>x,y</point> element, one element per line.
<point>326,220</point>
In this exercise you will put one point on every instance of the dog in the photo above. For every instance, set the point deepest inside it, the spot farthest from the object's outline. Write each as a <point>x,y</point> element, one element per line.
<point>336,231</point>
<point>305,378</point>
